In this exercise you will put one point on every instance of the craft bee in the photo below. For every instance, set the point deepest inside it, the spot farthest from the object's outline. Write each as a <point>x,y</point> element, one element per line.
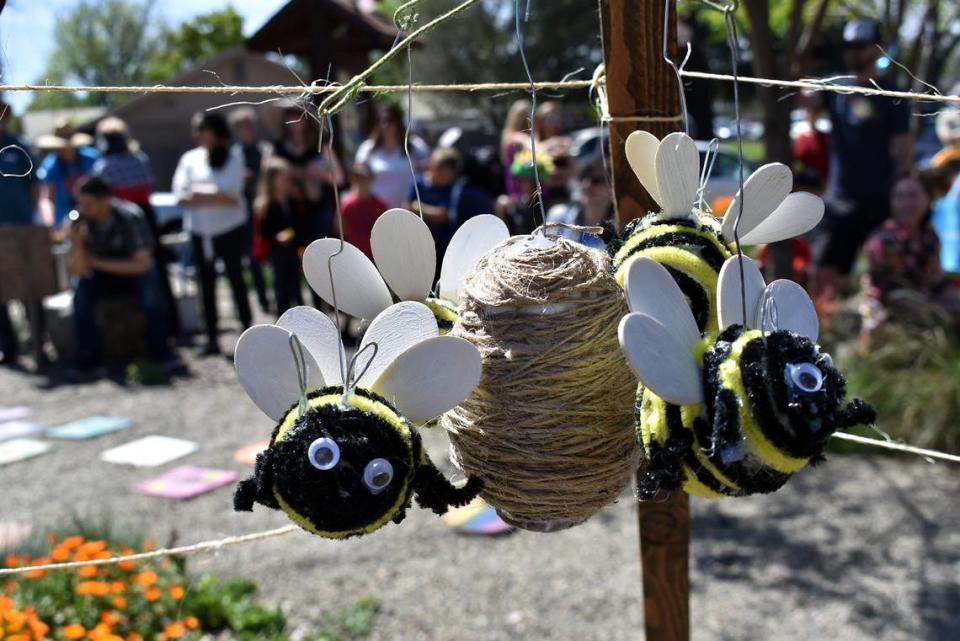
<point>691,243</point>
<point>736,412</point>
<point>406,259</point>
<point>342,464</point>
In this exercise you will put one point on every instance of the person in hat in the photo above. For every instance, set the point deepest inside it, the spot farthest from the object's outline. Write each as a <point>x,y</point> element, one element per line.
<point>69,158</point>
<point>871,146</point>
<point>19,194</point>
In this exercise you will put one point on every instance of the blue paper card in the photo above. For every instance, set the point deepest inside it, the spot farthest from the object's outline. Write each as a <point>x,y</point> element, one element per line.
<point>89,427</point>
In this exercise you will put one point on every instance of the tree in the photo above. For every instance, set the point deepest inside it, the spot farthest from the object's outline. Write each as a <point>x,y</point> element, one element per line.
<point>197,40</point>
<point>124,42</point>
<point>101,42</point>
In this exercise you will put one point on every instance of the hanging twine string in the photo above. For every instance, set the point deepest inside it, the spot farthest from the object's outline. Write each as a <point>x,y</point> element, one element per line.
<point>549,428</point>
<point>299,90</point>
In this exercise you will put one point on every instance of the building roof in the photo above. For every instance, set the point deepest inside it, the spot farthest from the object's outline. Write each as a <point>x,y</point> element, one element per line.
<point>38,123</point>
<point>346,26</point>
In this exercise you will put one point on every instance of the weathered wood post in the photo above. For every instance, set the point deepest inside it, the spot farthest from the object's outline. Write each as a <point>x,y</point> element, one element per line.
<point>642,93</point>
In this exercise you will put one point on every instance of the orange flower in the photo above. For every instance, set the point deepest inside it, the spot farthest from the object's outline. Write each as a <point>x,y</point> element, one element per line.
<point>110,618</point>
<point>72,542</point>
<point>100,633</point>
<point>94,588</point>
<point>37,627</point>
<point>88,571</point>
<point>74,631</point>
<point>152,594</point>
<point>18,637</point>
<point>146,579</point>
<point>14,620</point>
<point>117,587</point>
<point>192,623</point>
<point>133,636</point>
<point>59,554</point>
<point>176,592</point>
<point>119,603</point>
<point>6,603</point>
<point>174,630</point>
<point>11,561</point>
<point>93,547</point>
<point>36,574</point>
<point>127,565</point>
<point>149,545</point>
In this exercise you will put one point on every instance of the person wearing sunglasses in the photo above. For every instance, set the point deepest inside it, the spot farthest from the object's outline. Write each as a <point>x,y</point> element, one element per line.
<point>591,206</point>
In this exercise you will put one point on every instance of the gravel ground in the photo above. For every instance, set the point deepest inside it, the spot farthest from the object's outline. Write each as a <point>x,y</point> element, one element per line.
<point>861,548</point>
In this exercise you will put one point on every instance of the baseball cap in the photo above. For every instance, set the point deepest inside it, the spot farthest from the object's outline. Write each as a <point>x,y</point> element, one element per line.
<point>861,30</point>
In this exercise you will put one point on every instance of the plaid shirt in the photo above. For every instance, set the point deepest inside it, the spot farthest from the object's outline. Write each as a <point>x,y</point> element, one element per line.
<point>900,256</point>
<point>126,170</point>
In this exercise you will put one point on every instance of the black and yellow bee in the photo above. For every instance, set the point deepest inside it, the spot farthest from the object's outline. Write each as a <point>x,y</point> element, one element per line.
<point>734,412</point>
<point>343,464</point>
<point>690,242</point>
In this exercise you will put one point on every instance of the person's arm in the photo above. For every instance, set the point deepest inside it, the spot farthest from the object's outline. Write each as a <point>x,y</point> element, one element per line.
<point>78,260</point>
<point>137,265</point>
<point>45,204</point>
<point>431,213</point>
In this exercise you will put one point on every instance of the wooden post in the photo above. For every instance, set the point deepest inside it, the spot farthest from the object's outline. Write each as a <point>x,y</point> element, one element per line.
<point>641,85</point>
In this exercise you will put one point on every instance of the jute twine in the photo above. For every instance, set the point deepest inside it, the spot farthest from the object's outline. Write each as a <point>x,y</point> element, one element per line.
<point>549,429</point>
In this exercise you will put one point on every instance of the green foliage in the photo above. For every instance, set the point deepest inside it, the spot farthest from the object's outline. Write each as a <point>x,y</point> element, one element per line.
<point>125,42</point>
<point>196,40</point>
<point>350,624</point>
<point>912,377</point>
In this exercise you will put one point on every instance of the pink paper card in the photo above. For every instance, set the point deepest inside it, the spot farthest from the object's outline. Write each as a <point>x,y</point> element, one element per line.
<point>186,482</point>
<point>17,413</point>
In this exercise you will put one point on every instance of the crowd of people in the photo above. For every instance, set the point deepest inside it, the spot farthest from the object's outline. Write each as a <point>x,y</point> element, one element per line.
<point>251,206</point>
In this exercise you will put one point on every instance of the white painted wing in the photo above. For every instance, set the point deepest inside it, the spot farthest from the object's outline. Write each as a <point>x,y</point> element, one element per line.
<point>267,370</point>
<point>475,238</point>
<point>651,290</point>
<point>660,361</point>
<point>678,173</point>
<point>431,377</point>
<point>395,330</point>
<point>641,149</point>
<point>794,309</point>
<point>763,191</point>
<point>361,291</point>
<point>405,253</point>
<point>729,300</point>
<point>797,214</point>
<point>319,336</point>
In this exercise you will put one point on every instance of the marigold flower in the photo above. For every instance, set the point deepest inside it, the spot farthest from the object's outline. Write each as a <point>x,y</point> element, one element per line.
<point>6,603</point>
<point>93,547</point>
<point>192,623</point>
<point>72,542</point>
<point>152,594</point>
<point>174,630</point>
<point>117,587</point>
<point>133,636</point>
<point>88,571</point>
<point>14,620</point>
<point>100,633</point>
<point>93,588</point>
<point>11,561</point>
<point>127,565</point>
<point>59,554</point>
<point>74,631</point>
<point>18,637</point>
<point>149,545</point>
<point>36,574</point>
<point>146,579</point>
<point>110,617</point>
<point>119,603</point>
<point>176,592</point>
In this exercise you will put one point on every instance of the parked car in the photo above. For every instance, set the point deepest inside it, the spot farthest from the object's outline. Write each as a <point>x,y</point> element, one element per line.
<point>167,209</point>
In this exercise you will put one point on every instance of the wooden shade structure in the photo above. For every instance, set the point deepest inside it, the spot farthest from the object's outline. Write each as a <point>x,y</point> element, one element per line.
<point>330,35</point>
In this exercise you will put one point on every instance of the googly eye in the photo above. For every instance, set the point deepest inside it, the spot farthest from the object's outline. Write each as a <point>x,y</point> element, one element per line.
<point>377,475</point>
<point>806,377</point>
<point>324,453</point>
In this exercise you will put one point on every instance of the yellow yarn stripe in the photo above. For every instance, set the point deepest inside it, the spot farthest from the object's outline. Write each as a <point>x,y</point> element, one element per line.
<point>732,378</point>
<point>658,230</point>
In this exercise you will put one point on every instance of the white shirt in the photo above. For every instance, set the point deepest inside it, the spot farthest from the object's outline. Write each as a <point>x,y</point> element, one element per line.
<point>207,221</point>
<point>391,170</point>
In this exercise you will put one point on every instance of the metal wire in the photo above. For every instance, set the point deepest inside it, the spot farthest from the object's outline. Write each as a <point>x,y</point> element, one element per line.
<point>533,106</point>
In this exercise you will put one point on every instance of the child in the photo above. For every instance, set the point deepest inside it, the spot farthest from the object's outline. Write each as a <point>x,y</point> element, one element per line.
<point>360,208</point>
<point>279,211</point>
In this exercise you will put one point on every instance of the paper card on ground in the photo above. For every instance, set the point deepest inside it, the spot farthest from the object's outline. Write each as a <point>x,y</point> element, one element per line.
<point>476,518</point>
<point>16,413</point>
<point>150,451</point>
<point>186,482</point>
<point>248,453</point>
<point>20,449</point>
<point>13,533</point>
<point>89,427</point>
<point>16,429</point>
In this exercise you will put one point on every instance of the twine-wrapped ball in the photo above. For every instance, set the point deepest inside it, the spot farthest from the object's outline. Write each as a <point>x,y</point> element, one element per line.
<point>549,430</point>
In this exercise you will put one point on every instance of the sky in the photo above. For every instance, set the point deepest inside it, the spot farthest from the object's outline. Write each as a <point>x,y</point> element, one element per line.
<point>26,31</point>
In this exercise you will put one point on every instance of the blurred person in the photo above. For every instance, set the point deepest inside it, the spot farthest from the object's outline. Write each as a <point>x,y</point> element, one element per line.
<point>903,274</point>
<point>592,206</point>
<point>870,146</point>
<point>128,170</point>
<point>514,137</point>
<point>446,199</point>
<point>19,195</point>
<point>279,209</point>
<point>243,120</point>
<point>948,133</point>
<point>811,148</point>
<point>67,161</point>
<point>360,208</point>
<point>209,182</point>
<point>548,122</point>
<point>383,151</point>
<point>522,213</point>
<point>111,254</point>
